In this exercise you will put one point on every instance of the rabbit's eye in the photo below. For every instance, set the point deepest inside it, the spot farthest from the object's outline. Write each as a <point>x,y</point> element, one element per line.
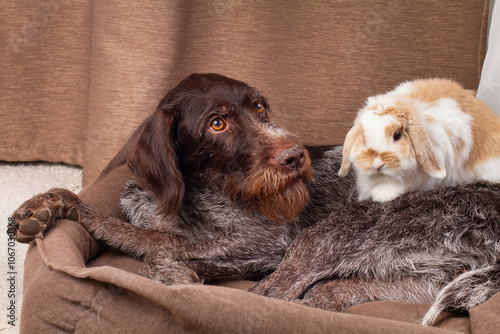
<point>397,135</point>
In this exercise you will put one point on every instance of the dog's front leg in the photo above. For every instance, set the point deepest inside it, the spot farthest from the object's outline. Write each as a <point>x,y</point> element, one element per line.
<point>221,258</point>
<point>35,215</point>
<point>161,266</point>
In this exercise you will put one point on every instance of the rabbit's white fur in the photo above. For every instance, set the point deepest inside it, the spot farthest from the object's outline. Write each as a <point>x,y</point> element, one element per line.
<point>446,137</point>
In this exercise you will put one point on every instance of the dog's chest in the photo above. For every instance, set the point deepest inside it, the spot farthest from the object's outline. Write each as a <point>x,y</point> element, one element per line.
<point>209,210</point>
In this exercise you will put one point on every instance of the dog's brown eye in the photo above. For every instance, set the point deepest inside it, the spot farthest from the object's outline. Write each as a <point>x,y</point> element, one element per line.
<point>260,108</point>
<point>218,124</point>
<point>397,136</point>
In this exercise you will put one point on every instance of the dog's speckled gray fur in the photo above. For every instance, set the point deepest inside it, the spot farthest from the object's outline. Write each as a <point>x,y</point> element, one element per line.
<point>412,249</point>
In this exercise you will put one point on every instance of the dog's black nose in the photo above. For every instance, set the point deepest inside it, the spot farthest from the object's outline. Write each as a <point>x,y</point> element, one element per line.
<point>292,157</point>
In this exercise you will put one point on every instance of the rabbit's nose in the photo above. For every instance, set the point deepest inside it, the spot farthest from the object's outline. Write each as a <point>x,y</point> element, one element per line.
<point>378,164</point>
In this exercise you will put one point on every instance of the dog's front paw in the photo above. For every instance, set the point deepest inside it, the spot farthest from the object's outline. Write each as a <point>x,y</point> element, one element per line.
<point>34,216</point>
<point>161,266</point>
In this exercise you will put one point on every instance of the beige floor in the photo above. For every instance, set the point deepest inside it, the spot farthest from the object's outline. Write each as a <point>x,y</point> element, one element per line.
<point>18,182</point>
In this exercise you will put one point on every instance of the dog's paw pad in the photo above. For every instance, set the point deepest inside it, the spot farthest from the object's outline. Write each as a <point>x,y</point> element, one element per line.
<point>32,218</point>
<point>30,226</point>
<point>23,238</point>
<point>42,215</point>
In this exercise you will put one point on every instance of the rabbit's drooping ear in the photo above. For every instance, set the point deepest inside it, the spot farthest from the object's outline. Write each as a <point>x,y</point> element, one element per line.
<point>351,137</point>
<point>424,152</point>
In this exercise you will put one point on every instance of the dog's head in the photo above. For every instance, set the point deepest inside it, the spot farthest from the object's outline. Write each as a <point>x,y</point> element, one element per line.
<point>214,131</point>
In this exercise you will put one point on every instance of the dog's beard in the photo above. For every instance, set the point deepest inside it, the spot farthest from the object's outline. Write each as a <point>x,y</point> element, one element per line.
<point>286,205</point>
<point>279,197</point>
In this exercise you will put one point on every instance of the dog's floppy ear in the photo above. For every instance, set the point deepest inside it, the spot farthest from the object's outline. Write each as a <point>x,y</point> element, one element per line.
<point>353,134</point>
<point>424,152</point>
<point>154,162</point>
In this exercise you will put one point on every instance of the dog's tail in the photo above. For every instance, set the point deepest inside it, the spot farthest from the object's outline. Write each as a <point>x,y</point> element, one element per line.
<point>465,291</point>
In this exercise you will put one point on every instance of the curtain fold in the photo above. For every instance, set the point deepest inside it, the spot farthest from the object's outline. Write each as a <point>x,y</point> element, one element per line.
<point>44,80</point>
<point>77,78</point>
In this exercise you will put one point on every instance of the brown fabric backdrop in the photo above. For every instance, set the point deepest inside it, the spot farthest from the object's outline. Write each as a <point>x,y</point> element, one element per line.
<point>78,77</point>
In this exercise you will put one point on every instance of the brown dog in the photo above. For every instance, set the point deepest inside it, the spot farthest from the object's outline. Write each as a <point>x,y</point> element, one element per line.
<point>213,177</point>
